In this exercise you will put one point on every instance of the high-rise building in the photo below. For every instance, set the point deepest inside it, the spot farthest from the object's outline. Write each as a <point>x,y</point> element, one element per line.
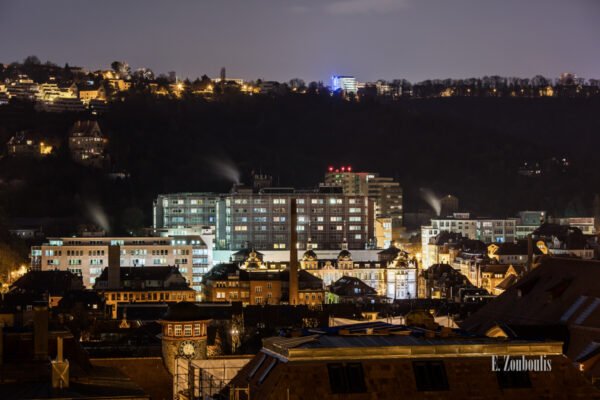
<point>346,83</point>
<point>386,193</point>
<point>260,220</point>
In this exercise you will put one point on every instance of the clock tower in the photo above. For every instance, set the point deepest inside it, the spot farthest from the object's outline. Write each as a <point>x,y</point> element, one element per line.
<point>184,329</point>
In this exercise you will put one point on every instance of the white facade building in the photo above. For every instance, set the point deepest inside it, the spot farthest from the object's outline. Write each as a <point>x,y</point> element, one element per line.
<point>88,256</point>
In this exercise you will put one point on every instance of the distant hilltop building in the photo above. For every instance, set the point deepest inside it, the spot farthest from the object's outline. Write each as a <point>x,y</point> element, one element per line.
<point>26,144</point>
<point>346,83</point>
<point>87,143</point>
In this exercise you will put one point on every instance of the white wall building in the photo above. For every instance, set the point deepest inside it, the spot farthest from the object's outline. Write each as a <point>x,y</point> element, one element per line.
<point>88,256</point>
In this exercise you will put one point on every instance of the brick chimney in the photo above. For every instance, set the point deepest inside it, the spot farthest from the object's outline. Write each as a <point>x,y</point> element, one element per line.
<point>40,332</point>
<point>114,267</point>
<point>293,253</point>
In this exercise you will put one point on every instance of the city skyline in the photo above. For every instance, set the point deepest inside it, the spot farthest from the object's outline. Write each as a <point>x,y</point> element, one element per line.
<point>373,40</point>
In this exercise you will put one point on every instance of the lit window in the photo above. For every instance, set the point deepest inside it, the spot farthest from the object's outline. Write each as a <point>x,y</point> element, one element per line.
<point>177,330</point>
<point>187,331</point>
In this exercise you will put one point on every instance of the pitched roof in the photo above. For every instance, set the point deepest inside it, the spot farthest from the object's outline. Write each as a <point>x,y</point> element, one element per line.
<point>559,291</point>
<point>185,311</point>
<point>56,283</point>
<point>518,248</point>
<point>85,128</point>
<point>503,268</point>
<point>347,285</point>
<point>507,282</point>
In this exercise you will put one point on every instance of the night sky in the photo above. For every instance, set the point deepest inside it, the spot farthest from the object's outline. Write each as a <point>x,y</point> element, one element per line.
<point>311,39</point>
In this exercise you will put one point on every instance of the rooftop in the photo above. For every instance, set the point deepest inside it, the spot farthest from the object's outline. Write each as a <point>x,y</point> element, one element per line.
<point>381,340</point>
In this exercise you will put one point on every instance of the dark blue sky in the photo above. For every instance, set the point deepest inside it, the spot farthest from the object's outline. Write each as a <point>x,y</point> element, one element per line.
<point>311,39</point>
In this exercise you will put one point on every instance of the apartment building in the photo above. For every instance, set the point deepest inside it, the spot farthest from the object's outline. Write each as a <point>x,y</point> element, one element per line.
<point>184,212</point>
<point>88,256</point>
<point>386,193</point>
<point>488,230</point>
<point>245,219</point>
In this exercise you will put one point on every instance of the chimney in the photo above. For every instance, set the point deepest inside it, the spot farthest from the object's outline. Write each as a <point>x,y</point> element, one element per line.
<point>60,367</point>
<point>293,253</point>
<point>114,267</point>
<point>40,332</point>
<point>1,342</point>
<point>529,252</point>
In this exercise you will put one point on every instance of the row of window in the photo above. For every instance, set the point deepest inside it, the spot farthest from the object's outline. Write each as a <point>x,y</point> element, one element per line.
<point>152,296</point>
<point>429,376</point>
<point>186,330</point>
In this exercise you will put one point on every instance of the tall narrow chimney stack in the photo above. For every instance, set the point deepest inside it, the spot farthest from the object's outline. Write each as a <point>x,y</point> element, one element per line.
<point>293,253</point>
<point>529,252</point>
<point>114,267</point>
<point>40,332</point>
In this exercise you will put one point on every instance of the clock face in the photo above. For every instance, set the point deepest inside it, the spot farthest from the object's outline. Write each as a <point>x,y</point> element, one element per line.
<point>187,348</point>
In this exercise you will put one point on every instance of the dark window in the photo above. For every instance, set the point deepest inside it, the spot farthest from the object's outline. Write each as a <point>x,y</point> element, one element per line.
<point>430,375</point>
<point>512,379</point>
<point>347,378</point>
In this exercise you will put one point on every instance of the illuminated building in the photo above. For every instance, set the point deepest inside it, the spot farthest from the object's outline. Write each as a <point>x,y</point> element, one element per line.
<point>143,285</point>
<point>394,277</point>
<point>26,144</point>
<point>487,230</point>
<point>528,222</point>
<point>61,104</point>
<point>87,92</point>
<point>261,220</point>
<point>184,334</point>
<point>254,283</point>
<point>585,224</point>
<point>346,83</point>
<point>23,88</point>
<point>88,256</point>
<point>87,143</point>
<point>383,232</point>
<point>386,193</point>
<point>237,81</point>
<point>497,278</point>
<point>49,92</point>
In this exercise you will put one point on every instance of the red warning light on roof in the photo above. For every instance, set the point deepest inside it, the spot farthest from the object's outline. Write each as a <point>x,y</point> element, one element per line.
<point>349,169</point>
<point>343,168</point>
<point>337,170</point>
<point>330,169</point>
